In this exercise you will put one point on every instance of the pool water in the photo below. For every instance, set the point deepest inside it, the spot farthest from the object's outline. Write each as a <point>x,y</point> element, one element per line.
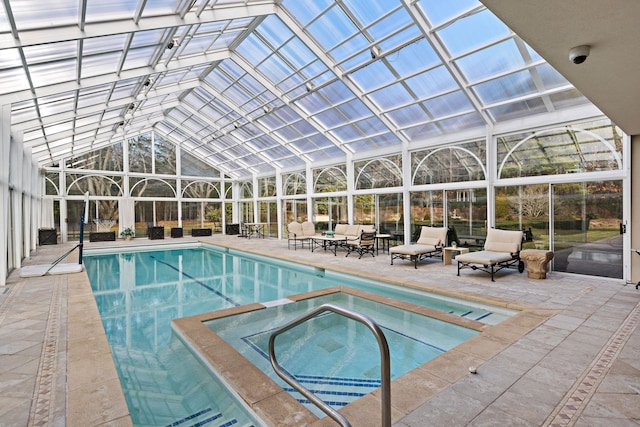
<point>138,293</point>
<point>335,357</point>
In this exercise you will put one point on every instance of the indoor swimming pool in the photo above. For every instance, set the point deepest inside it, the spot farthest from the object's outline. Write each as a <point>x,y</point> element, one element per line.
<point>141,291</point>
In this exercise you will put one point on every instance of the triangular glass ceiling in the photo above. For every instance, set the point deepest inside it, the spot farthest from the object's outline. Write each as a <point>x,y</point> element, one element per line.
<point>250,86</point>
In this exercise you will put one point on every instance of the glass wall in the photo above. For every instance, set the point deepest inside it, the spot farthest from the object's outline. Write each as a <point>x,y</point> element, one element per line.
<point>427,208</point>
<point>294,210</point>
<point>268,213</point>
<point>329,211</point>
<point>161,213</point>
<point>562,185</point>
<point>525,207</point>
<point>201,215</point>
<point>587,220</point>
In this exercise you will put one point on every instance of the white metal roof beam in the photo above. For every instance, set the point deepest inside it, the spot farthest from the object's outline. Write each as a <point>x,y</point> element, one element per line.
<point>58,88</point>
<point>330,64</point>
<point>95,109</point>
<point>442,53</point>
<point>256,123</point>
<point>219,12</point>
<point>107,124</point>
<point>228,135</point>
<point>266,83</point>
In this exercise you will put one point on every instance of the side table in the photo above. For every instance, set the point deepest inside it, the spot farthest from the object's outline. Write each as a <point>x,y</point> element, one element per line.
<point>448,252</point>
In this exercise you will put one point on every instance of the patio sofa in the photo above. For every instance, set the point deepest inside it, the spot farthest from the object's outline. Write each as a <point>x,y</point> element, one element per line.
<point>299,232</point>
<point>501,250</point>
<point>429,244</point>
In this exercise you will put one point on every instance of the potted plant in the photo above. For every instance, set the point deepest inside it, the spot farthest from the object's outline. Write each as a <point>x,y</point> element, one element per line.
<point>127,233</point>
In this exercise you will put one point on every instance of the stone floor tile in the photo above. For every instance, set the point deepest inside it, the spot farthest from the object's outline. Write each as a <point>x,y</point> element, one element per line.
<point>532,411</point>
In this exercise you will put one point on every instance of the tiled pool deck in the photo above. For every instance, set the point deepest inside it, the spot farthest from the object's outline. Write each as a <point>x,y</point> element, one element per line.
<point>570,358</point>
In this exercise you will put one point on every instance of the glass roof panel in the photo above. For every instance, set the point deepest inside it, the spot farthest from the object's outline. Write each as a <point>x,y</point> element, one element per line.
<point>391,96</point>
<point>507,87</point>
<point>303,11</point>
<point>423,131</point>
<point>472,31</point>
<point>407,116</point>
<point>518,109</point>
<point>567,99</point>
<point>354,76</point>
<point>253,49</point>
<point>550,77</point>
<point>30,14</point>
<point>332,28</point>
<point>439,11</point>
<point>449,104</point>
<point>373,75</point>
<point>158,7</point>
<point>482,64</point>
<point>432,82</point>
<point>460,123</point>
<point>101,10</point>
<point>274,30</point>
<point>13,79</point>
<point>413,58</point>
<point>400,39</point>
<point>96,65</point>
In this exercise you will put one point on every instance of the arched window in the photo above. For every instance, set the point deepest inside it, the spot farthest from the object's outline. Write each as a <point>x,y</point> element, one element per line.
<point>246,190</point>
<point>294,183</point>
<point>330,179</point>
<point>460,163</point>
<point>583,148</point>
<point>200,190</point>
<point>151,187</point>
<point>267,186</point>
<point>96,185</point>
<point>379,173</point>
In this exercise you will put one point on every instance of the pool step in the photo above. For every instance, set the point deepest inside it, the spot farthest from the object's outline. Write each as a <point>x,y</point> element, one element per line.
<point>206,418</point>
<point>335,391</point>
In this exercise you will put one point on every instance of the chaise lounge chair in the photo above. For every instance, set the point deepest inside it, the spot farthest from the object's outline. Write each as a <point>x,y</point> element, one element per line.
<point>430,244</point>
<point>501,250</point>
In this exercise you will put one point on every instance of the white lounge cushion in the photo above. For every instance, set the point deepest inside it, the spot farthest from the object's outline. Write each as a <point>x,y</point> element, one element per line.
<point>414,249</point>
<point>308,229</point>
<point>501,247</point>
<point>484,257</point>
<point>340,229</point>
<point>432,236</point>
<point>503,240</point>
<point>295,228</point>
<point>352,231</point>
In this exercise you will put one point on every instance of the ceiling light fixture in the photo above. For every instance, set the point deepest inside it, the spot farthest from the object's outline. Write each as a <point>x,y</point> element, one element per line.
<point>375,52</point>
<point>309,86</point>
<point>172,43</point>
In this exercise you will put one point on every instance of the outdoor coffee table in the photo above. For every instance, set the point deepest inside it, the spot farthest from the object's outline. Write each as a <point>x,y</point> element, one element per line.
<point>330,241</point>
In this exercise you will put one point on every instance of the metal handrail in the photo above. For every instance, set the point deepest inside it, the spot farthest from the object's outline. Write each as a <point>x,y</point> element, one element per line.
<point>385,367</point>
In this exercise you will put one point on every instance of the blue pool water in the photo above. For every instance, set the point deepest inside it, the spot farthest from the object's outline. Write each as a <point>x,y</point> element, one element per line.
<point>138,294</point>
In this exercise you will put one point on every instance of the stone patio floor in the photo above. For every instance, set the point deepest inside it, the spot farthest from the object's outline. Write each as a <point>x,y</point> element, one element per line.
<point>578,366</point>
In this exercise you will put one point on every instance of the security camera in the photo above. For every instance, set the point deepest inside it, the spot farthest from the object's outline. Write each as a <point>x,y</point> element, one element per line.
<point>579,54</point>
